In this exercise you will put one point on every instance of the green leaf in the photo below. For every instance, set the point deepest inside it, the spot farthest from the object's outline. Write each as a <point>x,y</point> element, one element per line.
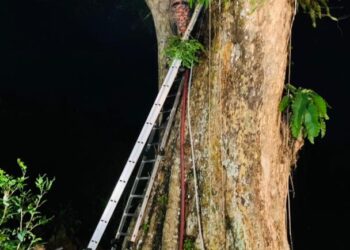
<point>21,235</point>
<point>312,122</point>
<point>299,106</point>
<point>323,127</point>
<point>22,165</point>
<point>321,105</point>
<point>39,181</point>
<point>291,88</point>
<point>284,103</point>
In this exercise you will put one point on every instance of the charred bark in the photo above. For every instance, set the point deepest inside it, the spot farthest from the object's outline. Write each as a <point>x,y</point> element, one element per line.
<point>242,155</point>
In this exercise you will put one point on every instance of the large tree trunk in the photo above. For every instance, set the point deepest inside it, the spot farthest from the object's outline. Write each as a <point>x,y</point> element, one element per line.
<point>160,14</point>
<point>242,158</point>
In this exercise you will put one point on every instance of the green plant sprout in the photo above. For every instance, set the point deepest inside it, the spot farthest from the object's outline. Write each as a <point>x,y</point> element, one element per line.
<point>145,227</point>
<point>308,112</point>
<point>189,244</point>
<point>163,200</point>
<point>19,209</point>
<point>187,51</point>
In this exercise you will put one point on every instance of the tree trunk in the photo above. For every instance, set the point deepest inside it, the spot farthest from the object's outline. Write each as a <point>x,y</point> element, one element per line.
<point>242,149</point>
<point>160,13</point>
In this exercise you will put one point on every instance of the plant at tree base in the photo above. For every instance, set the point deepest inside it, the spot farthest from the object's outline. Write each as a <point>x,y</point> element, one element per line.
<point>19,209</point>
<point>187,51</point>
<point>308,112</point>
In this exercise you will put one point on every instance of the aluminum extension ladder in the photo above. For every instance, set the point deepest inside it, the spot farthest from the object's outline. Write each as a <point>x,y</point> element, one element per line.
<point>149,164</point>
<point>141,141</point>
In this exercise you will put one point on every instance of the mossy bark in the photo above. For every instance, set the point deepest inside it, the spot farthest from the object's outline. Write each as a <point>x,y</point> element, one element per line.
<point>242,156</point>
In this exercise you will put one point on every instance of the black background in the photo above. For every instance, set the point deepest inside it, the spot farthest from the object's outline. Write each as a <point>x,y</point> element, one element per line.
<point>77,80</point>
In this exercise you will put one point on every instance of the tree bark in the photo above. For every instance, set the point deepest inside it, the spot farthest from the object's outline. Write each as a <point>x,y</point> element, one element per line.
<point>243,153</point>
<point>160,13</point>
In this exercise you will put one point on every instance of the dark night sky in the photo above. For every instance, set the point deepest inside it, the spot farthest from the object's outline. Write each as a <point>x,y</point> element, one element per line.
<point>77,79</point>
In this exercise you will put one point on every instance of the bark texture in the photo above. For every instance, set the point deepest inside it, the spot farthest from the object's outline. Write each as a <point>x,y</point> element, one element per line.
<point>160,12</point>
<point>242,156</point>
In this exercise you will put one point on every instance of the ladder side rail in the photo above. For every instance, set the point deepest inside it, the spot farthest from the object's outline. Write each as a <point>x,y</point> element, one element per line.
<point>135,154</point>
<point>128,203</point>
<point>121,225</point>
<point>171,118</point>
<point>150,141</point>
<point>193,21</point>
<point>156,165</point>
<point>141,165</point>
<point>153,115</point>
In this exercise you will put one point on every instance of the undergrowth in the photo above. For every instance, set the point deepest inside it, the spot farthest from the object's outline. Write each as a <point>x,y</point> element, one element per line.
<point>19,209</point>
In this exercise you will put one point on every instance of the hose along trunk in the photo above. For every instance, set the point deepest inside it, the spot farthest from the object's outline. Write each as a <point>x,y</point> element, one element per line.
<point>182,160</point>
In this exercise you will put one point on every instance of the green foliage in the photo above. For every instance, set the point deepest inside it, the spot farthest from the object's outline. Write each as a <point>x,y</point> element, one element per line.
<point>254,3</point>
<point>187,51</point>
<point>308,112</point>
<point>145,227</point>
<point>19,209</point>
<point>204,2</point>
<point>316,9</point>
<point>163,200</point>
<point>189,244</point>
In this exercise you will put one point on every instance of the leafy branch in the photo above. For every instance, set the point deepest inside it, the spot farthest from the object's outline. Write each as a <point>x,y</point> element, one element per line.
<point>308,112</point>
<point>187,51</point>
<point>316,9</point>
<point>19,209</point>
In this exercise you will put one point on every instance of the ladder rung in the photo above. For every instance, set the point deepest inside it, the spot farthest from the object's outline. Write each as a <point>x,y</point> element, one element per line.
<point>122,234</point>
<point>129,215</point>
<point>148,161</point>
<point>152,144</point>
<point>165,111</point>
<point>159,127</point>
<point>143,178</point>
<point>171,95</point>
<point>137,196</point>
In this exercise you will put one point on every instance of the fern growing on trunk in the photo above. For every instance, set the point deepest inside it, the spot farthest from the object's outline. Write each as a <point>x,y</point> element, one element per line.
<point>308,112</point>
